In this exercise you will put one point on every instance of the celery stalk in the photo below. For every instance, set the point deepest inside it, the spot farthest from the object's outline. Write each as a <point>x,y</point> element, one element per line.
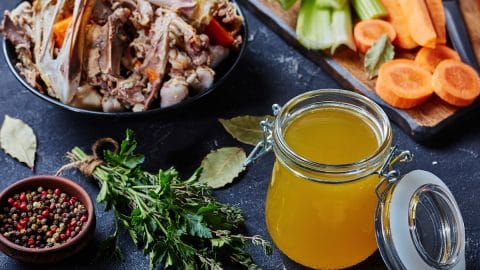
<point>342,28</point>
<point>286,4</point>
<point>330,3</point>
<point>314,26</point>
<point>369,9</point>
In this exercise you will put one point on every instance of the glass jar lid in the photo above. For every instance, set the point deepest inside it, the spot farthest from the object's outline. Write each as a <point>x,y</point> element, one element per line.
<point>419,225</point>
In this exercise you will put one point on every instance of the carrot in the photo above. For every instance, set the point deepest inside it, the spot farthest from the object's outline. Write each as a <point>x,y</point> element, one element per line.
<point>218,34</point>
<point>419,23</point>
<point>403,83</point>
<point>430,58</point>
<point>456,83</point>
<point>400,23</point>
<point>60,30</point>
<point>437,16</point>
<point>151,74</point>
<point>367,32</point>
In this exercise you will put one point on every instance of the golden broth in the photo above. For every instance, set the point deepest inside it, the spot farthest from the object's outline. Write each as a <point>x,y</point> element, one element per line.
<point>324,225</point>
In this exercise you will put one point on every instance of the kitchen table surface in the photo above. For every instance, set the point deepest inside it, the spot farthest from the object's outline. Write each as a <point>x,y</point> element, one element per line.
<point>270,72</point>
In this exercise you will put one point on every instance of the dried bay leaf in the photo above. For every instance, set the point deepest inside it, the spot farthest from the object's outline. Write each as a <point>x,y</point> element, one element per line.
<point>381,52</point>
<point>222,166</point>
<point>18,140</point>
<point>245,129</point>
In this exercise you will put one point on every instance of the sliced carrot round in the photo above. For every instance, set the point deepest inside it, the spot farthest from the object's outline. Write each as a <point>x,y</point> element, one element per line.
<point>404,83</point>
<point>367,32</point>
<point>456,83</point>
<point>430,58</point>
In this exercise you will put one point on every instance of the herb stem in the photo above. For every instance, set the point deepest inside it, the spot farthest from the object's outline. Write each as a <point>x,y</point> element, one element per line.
<point>177,222</point>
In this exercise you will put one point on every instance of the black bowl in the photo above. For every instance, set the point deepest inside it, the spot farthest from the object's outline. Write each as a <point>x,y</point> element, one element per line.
<point>222,71</point>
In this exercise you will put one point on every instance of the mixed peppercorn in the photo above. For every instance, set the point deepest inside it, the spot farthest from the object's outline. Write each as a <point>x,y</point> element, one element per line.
<point>42,218</point>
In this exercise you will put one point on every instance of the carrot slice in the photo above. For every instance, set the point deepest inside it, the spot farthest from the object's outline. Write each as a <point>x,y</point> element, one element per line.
<point>404,83</point>
<point>400,23</point>
<point>456,83</point>
<point>430,58</point>
<point>437,16</point>
<point>419,23</point>
<point>367,32</point>
<point>60,30</point>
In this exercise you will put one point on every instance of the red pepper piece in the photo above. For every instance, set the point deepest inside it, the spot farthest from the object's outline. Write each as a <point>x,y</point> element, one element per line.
<point>218,34</point>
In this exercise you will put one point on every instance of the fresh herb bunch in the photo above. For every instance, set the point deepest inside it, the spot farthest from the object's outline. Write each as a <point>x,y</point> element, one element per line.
<point>178,222</point>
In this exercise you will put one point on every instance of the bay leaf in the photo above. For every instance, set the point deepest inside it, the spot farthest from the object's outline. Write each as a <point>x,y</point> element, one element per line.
<point>381,52</point>
<point>245,129</point>
<point>18,140</point>
<point>222,166</point>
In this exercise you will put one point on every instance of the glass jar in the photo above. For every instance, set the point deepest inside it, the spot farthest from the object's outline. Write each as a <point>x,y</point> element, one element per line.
<point>334,215</point>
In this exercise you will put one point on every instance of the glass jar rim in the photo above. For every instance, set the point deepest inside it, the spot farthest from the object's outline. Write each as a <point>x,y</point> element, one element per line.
<point>378,156</point>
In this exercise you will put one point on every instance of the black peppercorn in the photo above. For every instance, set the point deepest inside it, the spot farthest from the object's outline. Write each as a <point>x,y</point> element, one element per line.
<point>42,218</point>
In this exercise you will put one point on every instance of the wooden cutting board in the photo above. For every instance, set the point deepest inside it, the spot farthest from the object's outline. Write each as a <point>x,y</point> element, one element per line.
<point>346,67</point>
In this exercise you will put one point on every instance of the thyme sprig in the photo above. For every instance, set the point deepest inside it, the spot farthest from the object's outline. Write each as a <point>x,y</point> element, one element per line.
<point>178,223</point>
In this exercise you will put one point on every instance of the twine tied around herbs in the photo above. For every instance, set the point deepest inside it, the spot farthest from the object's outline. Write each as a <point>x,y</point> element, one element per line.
<point>88,165</point>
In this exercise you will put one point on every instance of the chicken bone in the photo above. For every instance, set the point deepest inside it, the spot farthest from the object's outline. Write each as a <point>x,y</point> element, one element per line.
<point>16,27</point>
<point>105,47</point>
<point>61,72</point>
<point>197,12</point>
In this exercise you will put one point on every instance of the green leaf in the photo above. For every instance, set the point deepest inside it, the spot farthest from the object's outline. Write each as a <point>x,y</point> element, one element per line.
<point>129,144</point>
<point>152,194</point>
<point>133,161</point>
<point>218,242</point>
<point>245,129</point>
<point>18,140</point>
<point>136,217</point>
<point>168,261</point>
<point>196,227</point>
<point>206,209</point>
<point>125,157</point>
<point>222,166</point>
<point>381,52</point>
<point>166,177</point>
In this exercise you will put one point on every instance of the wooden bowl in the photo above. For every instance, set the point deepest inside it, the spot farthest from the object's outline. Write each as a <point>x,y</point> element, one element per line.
<point>56,253</point>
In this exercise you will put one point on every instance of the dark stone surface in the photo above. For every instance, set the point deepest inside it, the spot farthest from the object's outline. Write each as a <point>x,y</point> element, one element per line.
<point>270,72</point>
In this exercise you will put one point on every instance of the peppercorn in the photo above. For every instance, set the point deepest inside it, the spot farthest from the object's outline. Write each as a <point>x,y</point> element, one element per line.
<point>37,205</point>
<point>42,218</point>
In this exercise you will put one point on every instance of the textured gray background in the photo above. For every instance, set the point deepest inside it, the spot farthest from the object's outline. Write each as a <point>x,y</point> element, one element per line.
<point>270,72</point>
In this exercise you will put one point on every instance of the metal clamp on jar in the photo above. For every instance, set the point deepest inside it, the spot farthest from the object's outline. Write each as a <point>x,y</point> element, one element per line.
<point>335,214</point>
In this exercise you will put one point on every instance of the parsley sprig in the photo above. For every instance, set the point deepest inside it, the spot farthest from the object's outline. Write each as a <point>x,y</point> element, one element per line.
<point>179,223</point>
